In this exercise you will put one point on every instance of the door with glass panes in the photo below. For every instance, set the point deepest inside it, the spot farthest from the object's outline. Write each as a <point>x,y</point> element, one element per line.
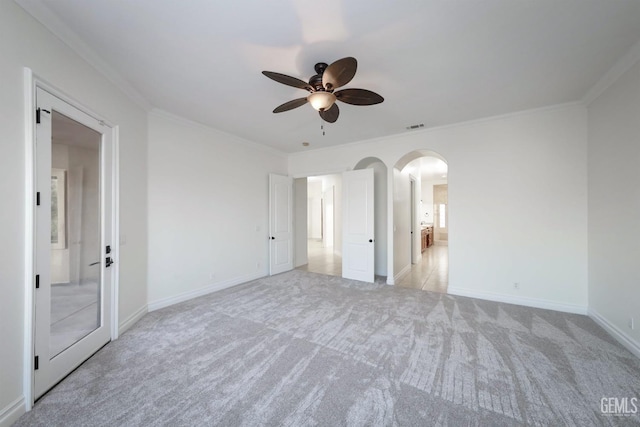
<point>73,238</point>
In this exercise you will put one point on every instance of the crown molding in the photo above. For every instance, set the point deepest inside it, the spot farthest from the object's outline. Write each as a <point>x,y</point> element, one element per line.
<point>50,21</point>
<point>428,130</point>
<point>610,77</point>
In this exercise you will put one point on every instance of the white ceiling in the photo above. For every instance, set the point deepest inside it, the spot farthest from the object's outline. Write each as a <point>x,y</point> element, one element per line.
<point>434,62</point>
<point>433,169</point>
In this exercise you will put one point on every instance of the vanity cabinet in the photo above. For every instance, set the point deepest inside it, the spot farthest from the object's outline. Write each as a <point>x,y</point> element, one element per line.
<point>426,237</point>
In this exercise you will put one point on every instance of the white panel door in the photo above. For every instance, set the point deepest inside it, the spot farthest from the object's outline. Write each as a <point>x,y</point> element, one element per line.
<point>280,224</point>
<point>73,241</point>
<point>358,225</point>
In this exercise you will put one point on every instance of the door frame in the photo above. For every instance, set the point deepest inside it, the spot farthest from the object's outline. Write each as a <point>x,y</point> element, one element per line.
<point>31,83</point>
<point>412,219</point>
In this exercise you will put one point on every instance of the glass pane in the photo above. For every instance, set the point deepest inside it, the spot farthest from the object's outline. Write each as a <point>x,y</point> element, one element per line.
<point>75,232</point>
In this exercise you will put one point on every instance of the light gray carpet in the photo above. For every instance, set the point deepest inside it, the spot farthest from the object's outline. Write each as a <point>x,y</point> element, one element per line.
<point>303,349</point>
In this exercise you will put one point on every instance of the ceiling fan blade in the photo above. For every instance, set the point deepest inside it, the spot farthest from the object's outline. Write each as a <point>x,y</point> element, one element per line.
<point>288,80</point>
<point>290,105</point>
<point>339,73</point>
<point>358,97</point>
<point>330,115</point>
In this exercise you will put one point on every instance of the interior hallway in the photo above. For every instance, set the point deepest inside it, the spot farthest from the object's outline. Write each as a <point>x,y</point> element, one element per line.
<point>322,260</point>
<point>432,273</point>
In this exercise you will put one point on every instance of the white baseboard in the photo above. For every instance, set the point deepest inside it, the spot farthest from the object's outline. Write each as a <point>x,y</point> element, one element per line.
<point>629,343</point>
<point>406,270</point>
<point>166,302</point>
<point>131,320</point>
<point>11,413</point>
<point>526,301</point>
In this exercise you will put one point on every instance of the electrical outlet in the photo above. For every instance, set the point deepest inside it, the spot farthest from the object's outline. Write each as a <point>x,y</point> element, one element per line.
<point>212,276</point>
<point>258,264</point>
<point>631,323</point>
<point>516,285</point>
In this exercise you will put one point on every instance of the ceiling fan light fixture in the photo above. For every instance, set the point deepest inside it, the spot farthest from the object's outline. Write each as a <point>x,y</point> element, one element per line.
<point>321,101</point>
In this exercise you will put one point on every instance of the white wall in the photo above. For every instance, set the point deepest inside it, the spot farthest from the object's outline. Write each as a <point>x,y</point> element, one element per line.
<point>427,199</point>
<point>522,173</point>
<point>335,181</point>
<point>300,219</point>
<point>401,223</point>
<point>25,43</point>
<point>208,209</point>
<point>614,207</point>
<point>314,209</point>
<point>328,233</point>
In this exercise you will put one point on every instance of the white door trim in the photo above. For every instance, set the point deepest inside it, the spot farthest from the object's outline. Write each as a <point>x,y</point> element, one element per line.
<point>31,82</point>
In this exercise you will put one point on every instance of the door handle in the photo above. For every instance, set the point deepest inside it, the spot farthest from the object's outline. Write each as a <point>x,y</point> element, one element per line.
<point>108,262</point>
<point>273,238</point>
<point>370,240</point>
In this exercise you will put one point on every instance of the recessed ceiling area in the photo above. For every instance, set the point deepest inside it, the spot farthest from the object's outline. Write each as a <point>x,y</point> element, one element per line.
<point>429,168</point>
<point>434,62</point>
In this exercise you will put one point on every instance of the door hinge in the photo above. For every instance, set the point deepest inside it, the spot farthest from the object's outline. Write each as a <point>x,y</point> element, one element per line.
<point>37,281</point>
<point>38,198</point>
<point>35,363</point>
<point>38,110</point>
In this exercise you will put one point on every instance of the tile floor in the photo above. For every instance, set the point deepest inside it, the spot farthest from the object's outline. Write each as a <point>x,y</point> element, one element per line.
<point>322,260</point>
<point>432,273</point>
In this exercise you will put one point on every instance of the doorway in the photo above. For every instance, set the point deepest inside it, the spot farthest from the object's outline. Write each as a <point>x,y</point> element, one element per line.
<point>422,192</point>
<point>324,225</point>
<point>338,216</point>
<point>74,238</point>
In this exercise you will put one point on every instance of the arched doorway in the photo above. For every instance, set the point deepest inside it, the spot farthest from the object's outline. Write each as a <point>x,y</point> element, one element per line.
<point>421,211</point>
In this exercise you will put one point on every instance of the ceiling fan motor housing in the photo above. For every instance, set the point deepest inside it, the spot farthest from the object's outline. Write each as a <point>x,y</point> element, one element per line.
<point>316,82</point>
<point>320,67</point>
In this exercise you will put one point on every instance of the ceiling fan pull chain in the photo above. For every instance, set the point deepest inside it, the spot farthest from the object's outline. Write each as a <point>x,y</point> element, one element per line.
<point>322,125</point>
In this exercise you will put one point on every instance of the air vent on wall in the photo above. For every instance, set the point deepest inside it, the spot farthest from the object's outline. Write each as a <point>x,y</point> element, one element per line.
<point>413,127</point>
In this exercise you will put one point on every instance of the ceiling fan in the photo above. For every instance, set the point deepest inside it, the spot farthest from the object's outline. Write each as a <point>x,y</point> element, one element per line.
<point>321,87</point>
